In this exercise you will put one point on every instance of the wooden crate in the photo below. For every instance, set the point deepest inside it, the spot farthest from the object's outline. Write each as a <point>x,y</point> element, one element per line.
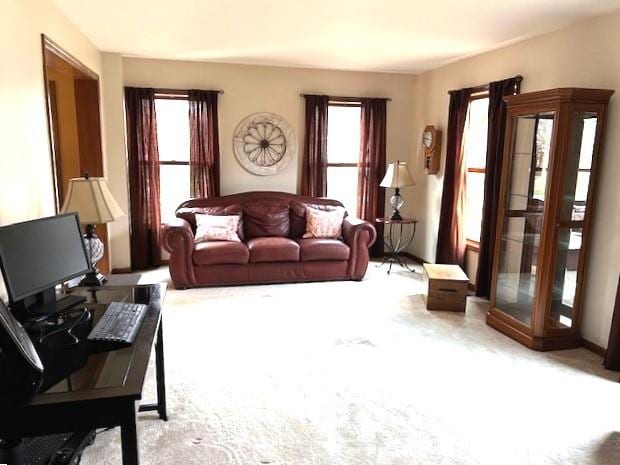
<point>447,287</point>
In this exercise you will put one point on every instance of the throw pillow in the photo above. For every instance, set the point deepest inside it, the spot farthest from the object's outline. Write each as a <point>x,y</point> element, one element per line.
<point>189,213</point>
<point>327,224</point>
<point>217,228</point>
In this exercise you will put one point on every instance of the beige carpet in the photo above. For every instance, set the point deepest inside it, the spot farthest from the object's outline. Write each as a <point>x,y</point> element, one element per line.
<point>361,374</point>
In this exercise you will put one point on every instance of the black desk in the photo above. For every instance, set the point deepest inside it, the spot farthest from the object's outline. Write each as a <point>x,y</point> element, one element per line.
<point>104,392</point>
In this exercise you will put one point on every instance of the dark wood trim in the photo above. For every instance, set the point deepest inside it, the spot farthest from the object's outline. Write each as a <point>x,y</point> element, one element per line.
<point>121,270</point>
<point>345,104</point>
<point>173,162</point>
<point>471,286</point>
<point>480,94</point>
<point>342,165</point>
<point>49,44</point>
<point>341,99</point>
<point>53,135</point>
<point>414,258</point>
<point>592,347</point>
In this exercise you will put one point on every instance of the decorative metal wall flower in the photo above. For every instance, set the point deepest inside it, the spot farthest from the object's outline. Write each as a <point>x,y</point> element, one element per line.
<point>264,143</point>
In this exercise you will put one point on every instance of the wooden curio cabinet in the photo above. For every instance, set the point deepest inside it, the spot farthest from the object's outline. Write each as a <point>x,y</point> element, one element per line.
<point>551,156</point>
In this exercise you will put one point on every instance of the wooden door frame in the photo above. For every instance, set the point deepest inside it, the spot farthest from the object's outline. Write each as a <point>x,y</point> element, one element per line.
<point>48,44</point>
<point>96,165</point>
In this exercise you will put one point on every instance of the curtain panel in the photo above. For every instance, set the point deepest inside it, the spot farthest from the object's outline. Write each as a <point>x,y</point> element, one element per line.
<point>492,181</point>
<point>314,168</point>
<point>143,178</point>
<point>373,137</point>
<point>451,235</point>
<point>204,149</point>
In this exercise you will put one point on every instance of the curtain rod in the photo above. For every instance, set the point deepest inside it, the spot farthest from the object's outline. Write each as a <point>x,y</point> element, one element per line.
<point>485,87</point>
<point>179,91</point>
<point>347,99</point>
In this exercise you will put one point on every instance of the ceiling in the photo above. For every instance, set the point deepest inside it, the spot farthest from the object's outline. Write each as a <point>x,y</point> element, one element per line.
<point>407,36</point>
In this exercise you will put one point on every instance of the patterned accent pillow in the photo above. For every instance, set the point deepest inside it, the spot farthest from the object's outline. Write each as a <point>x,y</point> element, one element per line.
<point>217,228</point>
<point>327,224</point>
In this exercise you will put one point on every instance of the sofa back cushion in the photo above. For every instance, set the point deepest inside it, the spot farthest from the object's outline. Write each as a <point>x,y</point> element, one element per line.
<point>189,214</point>
<point>266,220</point>
<point>298,215</point>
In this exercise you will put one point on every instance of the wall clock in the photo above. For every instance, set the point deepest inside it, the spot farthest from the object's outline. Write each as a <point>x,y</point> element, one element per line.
<point>431,141</point>
<point>264,143</point>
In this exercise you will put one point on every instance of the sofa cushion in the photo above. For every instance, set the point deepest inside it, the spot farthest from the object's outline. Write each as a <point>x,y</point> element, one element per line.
<point>273,249</point>
<point>266,220</point>
<point>189,214</point>
<point>317,249</point>
<point>298,215</point>
<point>220,253</point>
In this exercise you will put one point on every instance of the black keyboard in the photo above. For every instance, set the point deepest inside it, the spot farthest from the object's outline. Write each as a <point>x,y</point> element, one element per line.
<point>119,325</point>
<point>39,450</point>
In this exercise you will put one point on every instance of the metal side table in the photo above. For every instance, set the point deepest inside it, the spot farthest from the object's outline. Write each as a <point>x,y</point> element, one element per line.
<point>399,236</point>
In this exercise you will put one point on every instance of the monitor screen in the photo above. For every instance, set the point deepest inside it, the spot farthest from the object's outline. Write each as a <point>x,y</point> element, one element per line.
<point>39,254</point>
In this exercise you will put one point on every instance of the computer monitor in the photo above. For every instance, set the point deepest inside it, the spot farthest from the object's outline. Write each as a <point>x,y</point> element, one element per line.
<point>37,255</point>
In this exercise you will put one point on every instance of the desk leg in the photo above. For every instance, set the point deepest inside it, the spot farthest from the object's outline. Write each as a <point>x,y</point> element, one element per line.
<point>160,374</point>
<point>160,378</point>
<point>129,439</point>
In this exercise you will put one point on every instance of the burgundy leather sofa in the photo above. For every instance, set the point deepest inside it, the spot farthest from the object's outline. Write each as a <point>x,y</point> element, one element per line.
<point>271,250</point>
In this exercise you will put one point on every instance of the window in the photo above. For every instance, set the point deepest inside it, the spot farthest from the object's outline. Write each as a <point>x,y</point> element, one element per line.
<point>343,148</point>
<point>173,144</point>
<point>475,154</point>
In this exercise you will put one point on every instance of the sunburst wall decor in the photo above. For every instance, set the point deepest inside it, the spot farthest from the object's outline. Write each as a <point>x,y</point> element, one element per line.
<point>264,143</point>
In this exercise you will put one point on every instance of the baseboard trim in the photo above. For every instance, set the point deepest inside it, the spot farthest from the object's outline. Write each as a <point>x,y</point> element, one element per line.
<point>592,347</point>
<point>415,258</point>
<point>121,270</point>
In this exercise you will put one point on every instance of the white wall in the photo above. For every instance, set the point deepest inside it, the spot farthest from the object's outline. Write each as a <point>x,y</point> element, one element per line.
<point>250,89</point>
<point>26,180</point>
<point>585,55</point>
<point>116,159</point>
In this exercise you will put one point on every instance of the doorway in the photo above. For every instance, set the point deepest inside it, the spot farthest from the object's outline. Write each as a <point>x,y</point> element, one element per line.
<point>74,124</point>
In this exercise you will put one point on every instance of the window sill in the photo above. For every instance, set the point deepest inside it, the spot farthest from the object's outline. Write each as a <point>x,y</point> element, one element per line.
<point>472,246</point>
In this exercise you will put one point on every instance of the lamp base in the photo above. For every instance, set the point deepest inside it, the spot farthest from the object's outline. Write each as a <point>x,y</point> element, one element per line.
<point>396,216</point>
<point>397,202</point>
<point>93,279</point>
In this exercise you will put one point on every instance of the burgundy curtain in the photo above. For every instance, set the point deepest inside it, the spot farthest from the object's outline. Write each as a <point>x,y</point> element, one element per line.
<point>143,178</point>
<point>451,237</point>
<point>204,149</point>
<point>495,151</point>
<point>314,169</point>
<point>370,196</point>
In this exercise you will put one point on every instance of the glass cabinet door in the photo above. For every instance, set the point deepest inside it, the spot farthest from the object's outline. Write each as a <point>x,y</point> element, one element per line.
<point>573,204</point>
<point>524,206</point>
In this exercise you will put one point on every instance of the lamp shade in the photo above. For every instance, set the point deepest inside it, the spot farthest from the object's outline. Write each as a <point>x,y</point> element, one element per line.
<point>92,200</point>
<point>397,175</point>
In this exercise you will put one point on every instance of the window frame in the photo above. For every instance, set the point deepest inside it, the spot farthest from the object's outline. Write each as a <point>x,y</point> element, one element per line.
<point>343,102</point>
<point>170,94</point>
<point>479,93</point>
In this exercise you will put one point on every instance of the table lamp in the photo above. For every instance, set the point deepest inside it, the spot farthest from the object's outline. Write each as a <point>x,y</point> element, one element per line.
<point>397,176</point>
<point>92,200</point>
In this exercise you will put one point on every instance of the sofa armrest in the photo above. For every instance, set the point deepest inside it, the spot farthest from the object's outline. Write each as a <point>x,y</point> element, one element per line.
<point>178,239</point>
<point>359,235</point>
